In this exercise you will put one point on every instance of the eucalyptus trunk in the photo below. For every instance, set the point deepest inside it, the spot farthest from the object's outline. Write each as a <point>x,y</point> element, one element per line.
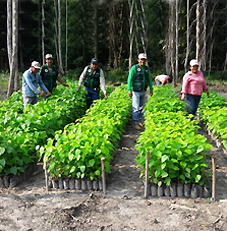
<point>201,33</point>
<point>14,78</point>
<point>43,32</point>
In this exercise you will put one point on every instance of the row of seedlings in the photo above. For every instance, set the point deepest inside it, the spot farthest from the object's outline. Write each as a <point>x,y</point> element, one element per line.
<point>73,156</point>
<point>22,131</point>
<point>213,113</point>
<point>177,164</point>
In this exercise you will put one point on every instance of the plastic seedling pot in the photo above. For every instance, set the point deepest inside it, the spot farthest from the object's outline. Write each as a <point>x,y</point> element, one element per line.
<point>180,190</point>
<point>206,192</point>
<point>167,191</point>
<point>160,191</point>
<point>83,184</point>
<point>153,190</point>
<point>13,181</point>
<point>60,183</point>
<point>55,183</point>
<point>194,192</point>
<point>200,191</point>
<point>77,184</point>
<point>187,190</point>
<point>66,183</point>
<point>72,183</point>
<point>173,190</point>
<point>6,181</point>
<point>95,185</point>
<point>89,185</point>
<point>100,185</point>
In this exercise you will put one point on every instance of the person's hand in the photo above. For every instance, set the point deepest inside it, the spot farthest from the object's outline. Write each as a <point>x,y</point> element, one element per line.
<point>42,94</point>
<point>151,93</point>
<point>65,84</point>
<point>79,87</point>
<point>48,93</point>
<point>182,96</point>
<point>105,94</point>
<point>130,94</point>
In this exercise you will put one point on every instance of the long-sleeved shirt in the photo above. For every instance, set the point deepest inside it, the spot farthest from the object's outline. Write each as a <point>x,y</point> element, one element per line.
<point>194,84</point>
<point>132,73</point>
<point>30,84</point>
<point>102,79</point>
<point>162,78</point>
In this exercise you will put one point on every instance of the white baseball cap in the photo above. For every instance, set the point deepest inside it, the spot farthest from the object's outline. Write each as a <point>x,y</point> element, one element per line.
<point>142,56</point>
<point>35,64</point>
<point>49,56</point>
<point>194,62</point>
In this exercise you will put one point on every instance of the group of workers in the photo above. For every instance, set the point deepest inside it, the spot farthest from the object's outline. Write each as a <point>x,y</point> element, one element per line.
<point>139,79</point>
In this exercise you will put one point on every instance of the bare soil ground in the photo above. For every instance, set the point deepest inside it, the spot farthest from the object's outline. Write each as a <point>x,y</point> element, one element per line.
<point>28,207</point>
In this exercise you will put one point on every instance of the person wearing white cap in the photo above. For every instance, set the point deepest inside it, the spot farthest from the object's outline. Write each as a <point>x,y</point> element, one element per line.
<point>194,85</point>
<point>92,77</point>
<point>139,79</point>
<point>31,80</point>
<point>49,74</point>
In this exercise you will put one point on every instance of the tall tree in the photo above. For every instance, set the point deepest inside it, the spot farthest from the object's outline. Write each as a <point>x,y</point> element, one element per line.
<point>43,31</point>
<point>201,33</point>
<point>14,78</point>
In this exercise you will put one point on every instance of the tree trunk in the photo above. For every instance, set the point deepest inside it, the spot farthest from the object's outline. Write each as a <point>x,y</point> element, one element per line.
<point>59,39</point>
<point>131,21</point>
<point>14,78</point>
<point>176,26</point>
<point>43,32</point>
<point>187,39</point>
<point>9,31</point>
<point>201,33</point>
<point>66,36</point>
<point>96,29</point>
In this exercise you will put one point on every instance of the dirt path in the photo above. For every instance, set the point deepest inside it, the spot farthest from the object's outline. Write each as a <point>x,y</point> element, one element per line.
<point>29,207</point>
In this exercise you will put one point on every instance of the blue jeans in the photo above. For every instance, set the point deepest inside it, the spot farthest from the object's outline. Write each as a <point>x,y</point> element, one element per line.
<point>138,102</point>
<point>91,96</point>
<point>192,102</point>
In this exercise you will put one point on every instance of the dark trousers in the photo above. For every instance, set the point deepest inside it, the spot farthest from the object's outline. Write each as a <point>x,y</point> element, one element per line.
<point>192,102</point>
<point>91,96</point>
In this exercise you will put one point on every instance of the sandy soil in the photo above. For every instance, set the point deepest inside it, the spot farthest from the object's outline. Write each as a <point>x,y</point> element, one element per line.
<point>28,207</point>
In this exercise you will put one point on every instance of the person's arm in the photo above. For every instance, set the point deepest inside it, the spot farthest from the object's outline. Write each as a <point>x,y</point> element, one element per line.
<point>102,82</point>
<point>28,79</point>
<point>150,83</point>
<point>130,78</point>
<point>61,82</point>
<point>41,84</point>
<point>205,87</point>
<point>184,87</point>
<point>82,77</point>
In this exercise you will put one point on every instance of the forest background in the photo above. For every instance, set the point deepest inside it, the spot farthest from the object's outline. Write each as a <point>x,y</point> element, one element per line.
<point>170,32</point>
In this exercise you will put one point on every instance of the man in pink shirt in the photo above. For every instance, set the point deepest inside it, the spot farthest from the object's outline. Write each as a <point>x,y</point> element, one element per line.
<point>193,86</point>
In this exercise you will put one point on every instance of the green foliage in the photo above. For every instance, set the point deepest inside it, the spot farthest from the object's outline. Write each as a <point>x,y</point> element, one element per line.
<point>117,75</point>
<point>21,130</point>
<point>213,112</point>
<point>76,151</point>
<point>176,150</point>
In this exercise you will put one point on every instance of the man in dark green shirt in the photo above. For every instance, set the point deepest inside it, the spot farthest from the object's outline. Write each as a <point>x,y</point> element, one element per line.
<point>138,80</point>
<point>49,74</point>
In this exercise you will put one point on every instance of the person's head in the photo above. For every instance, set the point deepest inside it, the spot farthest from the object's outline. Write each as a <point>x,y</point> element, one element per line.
<point>94,64</point>
<point>49,60</point>
<point>194,66</point>
<point>142,59</point>
<point>169,80</point>
<point>35,66</point>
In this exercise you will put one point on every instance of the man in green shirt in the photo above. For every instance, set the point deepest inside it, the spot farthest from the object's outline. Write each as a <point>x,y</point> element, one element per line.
<point>49,74</point>
<point>138,80</point>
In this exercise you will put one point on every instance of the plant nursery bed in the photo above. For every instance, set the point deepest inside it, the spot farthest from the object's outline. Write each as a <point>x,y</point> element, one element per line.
<point>30,207</point>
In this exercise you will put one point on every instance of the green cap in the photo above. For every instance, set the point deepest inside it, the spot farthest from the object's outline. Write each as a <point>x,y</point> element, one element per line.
<point>94,61</point>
